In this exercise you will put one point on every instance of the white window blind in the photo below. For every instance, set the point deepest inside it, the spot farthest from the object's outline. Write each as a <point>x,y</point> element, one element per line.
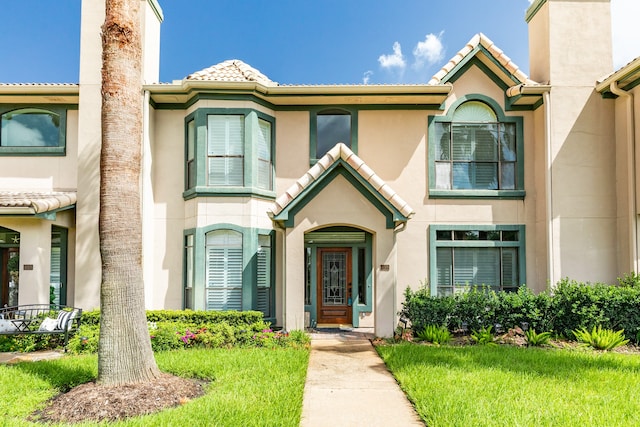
<point>225,149</point>
<point>224,270</point>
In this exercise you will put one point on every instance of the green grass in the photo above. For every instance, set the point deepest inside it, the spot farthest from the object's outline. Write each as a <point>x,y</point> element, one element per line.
<point>249,387</point>
<point>510,386</point>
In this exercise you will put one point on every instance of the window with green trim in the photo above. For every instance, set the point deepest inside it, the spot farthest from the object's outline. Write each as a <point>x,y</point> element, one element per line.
<point>229,151</point>
<point>476,150</point>
<point>329,127</point>
<point>491,256</point>
<point>224,267</point>
<point>189,262</point>
<point>33,129</point>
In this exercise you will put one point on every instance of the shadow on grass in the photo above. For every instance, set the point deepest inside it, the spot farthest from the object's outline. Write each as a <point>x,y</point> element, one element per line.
<point>554,363</point>
<point>63,374</point>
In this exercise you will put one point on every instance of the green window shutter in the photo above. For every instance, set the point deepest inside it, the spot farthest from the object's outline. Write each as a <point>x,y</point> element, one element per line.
<point>264,275</point>
<point>265,164</point>
<point>224,270</point>
<point>225,148</point>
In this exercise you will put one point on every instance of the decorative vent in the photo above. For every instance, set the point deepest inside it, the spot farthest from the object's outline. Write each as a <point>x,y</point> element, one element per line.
<point>335,237</point>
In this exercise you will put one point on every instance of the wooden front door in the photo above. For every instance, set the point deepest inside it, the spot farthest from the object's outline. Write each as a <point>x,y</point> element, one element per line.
<point>334,285</point>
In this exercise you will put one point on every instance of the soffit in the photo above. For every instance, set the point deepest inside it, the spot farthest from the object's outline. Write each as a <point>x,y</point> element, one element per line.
<point>39,93</point>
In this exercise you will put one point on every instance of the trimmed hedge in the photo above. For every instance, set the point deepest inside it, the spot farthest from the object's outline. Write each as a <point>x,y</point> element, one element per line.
<point>571,305</point>
<point>233,318</point>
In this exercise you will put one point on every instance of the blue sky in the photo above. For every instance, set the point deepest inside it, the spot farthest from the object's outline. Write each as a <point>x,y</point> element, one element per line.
<point>293,41</point>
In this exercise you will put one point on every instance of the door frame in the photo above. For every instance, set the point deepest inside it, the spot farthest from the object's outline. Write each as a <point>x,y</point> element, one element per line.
<point>311,249</point>
<point>348,299</point>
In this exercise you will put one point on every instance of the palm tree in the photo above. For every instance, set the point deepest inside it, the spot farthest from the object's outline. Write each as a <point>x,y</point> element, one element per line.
<point>124,354</point>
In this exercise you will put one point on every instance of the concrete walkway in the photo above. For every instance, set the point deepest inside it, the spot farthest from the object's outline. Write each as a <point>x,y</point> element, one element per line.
<point>349,385</point>
<point>15,357</point>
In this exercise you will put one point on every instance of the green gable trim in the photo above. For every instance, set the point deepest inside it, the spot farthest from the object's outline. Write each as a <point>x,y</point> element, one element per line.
<point>533,9</point>
<point>471,59</point>
<point>434,244</point>
<point>341,168</point>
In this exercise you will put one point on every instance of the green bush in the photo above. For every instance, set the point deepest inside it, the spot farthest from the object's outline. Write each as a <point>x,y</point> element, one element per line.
<point>181,334</point>
<point>571,305</point>
<point>434,334</point>
<point>601,339</point>
<point>483,336</point>
<point>537,339</point>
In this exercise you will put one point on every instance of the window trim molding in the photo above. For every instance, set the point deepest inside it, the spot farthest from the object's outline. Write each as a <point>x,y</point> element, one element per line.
<point>61,150</point>
<point>250,187</point>
<point>517,193</point>
<point>313,128</point>
<point>434,244</point>
<point>250,247</point>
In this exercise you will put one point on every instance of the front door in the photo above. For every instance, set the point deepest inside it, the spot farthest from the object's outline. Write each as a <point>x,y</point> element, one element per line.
<point>334,285</point>
<point>9,276</point>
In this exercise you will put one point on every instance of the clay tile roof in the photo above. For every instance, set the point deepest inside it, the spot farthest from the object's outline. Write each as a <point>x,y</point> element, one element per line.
<point>341,151</point>
<point>232,70</point>
<point>37,202</point>
<point>497,53</point>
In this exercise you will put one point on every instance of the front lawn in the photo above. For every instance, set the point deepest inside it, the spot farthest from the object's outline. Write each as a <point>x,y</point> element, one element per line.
<point>511,386</point>
<point>248,387</point>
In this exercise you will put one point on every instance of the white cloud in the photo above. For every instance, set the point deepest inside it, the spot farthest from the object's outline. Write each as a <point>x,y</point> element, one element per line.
<point>394,60</point>
<point>625,33</point>
<point>21,135</point>
<point>366,77</point>
<point>430,50</point>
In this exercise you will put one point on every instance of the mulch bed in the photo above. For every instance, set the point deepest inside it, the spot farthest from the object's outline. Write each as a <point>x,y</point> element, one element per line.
<point>93,402</point>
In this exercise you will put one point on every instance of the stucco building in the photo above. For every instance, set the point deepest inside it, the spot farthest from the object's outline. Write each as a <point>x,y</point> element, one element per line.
<point>319,205</point>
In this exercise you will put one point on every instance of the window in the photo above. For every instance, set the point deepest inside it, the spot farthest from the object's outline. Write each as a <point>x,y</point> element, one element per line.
<point>265,165</point>
<point>329,127</point>
<point>189,271</point>
<point>463,256</point>
<point>33,130</point>
<point>228,151</point>
<point>475,152</point>
<point>225,150</point>
<point>264,275</point>
<point>191,150</point>
<point>224,267</point>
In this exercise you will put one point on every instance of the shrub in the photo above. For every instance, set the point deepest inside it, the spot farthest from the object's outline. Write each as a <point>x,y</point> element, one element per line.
<point>434,334</point>
<point>483,336</point>
<point>537,339</point>
<point>601,339</point>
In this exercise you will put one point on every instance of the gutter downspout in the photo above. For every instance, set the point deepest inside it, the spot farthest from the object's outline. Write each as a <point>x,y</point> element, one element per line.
<point>631,166</point>
<point>146,205</point>
<point>549,190</point>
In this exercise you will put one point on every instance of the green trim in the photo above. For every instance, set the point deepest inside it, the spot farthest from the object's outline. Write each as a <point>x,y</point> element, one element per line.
<point>60,150</point>
<point>157,10</point>
<point>51,215</point>
<point>509,103</point>
<point>517,193</point>
<point>249,264</point>
<point>533,9</point>
<point>342,168</point>
<point>313,129</point>
<point>202,189</point>
<point>434,244</point>
<point>242,95</point>
<point>471,59</point>
<point>356,307</point>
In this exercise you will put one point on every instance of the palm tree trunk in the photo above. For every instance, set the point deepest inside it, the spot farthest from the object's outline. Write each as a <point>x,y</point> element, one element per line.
<point>124,353</point>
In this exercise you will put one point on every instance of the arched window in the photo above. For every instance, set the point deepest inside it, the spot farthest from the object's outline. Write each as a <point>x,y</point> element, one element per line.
<point>476,151</point>
<point>30,127</point>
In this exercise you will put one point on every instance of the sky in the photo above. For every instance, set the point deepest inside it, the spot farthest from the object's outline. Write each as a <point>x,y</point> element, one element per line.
<point>293,41</point>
